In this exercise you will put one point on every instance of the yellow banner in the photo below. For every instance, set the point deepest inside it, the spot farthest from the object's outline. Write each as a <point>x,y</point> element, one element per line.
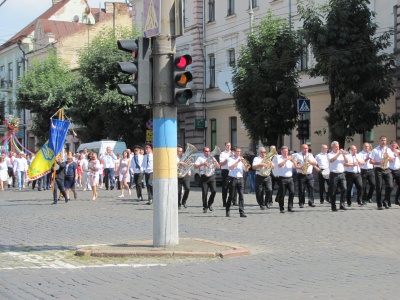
<point>42,162</point>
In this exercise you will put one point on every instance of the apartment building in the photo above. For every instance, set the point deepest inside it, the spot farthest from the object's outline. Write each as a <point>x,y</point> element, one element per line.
<point>214,32</point>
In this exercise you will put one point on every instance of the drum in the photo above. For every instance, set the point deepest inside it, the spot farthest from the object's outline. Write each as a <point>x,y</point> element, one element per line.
<point>325,173</point>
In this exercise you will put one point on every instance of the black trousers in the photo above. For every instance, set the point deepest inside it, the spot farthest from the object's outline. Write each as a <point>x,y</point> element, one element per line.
<point>185,183</point>
<point>356,179</point>
<point>274,180</point>
<point>208,183</point>
<point>59,185</point>
<point>137,179</point>
<point>285,184</point>
<point>11,174</point>
<point>149,184</point>
<point>225,185</point>
<point>236,184</point>
<point>335,180</point>
<point>368,176</point>
<point>263,189</point>
<point>321,185</point>
<point>396,178</point>
<point>380,176</point>
<point>303,182</point>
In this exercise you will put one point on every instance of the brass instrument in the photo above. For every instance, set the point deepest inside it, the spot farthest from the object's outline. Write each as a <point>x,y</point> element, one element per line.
<point>246,163</point>
<point>210,170</point>
<point>385,160</point>
<point>304,168</point>
<point>266,171</point>
<point>183,170</point>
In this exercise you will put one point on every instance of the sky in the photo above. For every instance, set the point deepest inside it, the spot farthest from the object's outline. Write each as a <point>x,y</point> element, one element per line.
<point>16,14</point>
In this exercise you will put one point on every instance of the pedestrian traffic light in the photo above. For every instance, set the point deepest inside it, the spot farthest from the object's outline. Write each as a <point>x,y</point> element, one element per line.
<point>139,68</point>
<point>303,129</point>
<point>182,93</point>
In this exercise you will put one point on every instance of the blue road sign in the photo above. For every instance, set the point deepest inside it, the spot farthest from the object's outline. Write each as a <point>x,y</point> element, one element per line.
<point>303,106</point>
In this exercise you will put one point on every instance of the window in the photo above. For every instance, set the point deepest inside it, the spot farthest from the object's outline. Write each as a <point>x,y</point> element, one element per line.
<point>231,7</point>
<point>212,70</point>
<point>231,58</point>
<point>2,110</point>
<point>211,10</point>
<point>10,73</point>
<point>20,66</point>
<point>304,62</point>
<point>233,125</point>
<point>213,133</point>
<point>254,3</point>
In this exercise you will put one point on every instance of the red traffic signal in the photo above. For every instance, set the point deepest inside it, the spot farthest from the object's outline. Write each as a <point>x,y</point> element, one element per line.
<point>182,77</point>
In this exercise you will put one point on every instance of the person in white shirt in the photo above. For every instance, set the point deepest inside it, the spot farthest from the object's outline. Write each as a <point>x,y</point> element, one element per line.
<point>284,165</point>
<point>323,165</point>
<point>20,169</point>
<point>367,174</point>
<point>274,179</point>
<point>381,157</point>
<point>109,168</point>
<point>207,180</point>
<point>236,171</point>
<point>85,174</point>
<point>147,166</point>
<point>395,169</point>
<point>10,166</point>
<point>137,170</point>
<point>337,158</point>
<point>263,186</point>
<point>352,170</point>
<point>183,182</point>
<point>223,161</point>
<point>305,178</point>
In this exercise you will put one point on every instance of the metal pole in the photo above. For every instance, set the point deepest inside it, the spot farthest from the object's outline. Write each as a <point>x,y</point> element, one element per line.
<point>165,184</point>
<point>251,14</point>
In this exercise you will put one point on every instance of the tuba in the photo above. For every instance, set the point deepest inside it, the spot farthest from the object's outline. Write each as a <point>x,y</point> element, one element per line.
<point>209,171</point>
<point>266,171</point>
<point>183,170</point>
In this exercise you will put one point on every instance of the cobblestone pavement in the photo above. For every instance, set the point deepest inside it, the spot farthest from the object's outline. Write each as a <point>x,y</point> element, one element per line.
<point>311,253</point>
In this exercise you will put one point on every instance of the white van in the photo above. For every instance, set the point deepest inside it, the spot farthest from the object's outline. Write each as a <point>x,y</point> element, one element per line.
<point>101,146</point>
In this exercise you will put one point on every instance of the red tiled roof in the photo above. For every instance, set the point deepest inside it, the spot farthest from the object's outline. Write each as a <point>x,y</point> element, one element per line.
<point>60,28</point>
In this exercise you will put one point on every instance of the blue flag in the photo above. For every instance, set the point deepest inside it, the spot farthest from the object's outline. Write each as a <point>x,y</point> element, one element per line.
<point>58,133</point>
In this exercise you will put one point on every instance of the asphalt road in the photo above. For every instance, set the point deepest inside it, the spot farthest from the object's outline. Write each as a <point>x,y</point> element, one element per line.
<point>311,253</point>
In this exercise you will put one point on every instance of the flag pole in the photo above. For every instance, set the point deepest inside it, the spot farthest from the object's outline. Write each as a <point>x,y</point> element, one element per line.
<point>53,177</point>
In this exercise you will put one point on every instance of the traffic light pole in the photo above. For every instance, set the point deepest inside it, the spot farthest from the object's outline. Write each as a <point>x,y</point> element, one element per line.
<point>165,184</point>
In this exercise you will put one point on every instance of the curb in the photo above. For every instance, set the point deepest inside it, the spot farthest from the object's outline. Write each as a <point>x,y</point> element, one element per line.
<point>232,251</point>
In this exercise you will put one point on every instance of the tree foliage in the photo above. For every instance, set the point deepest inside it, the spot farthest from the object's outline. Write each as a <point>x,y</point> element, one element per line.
<point>99,107</point>
<point>266,80</point>
<point>350,58</point>
<point>43,89</point>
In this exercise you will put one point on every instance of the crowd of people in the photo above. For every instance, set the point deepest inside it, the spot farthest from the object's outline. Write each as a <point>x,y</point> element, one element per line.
<point>337,172</point>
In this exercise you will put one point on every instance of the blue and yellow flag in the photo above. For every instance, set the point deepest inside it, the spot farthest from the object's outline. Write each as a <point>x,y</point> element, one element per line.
<point>45,158</point>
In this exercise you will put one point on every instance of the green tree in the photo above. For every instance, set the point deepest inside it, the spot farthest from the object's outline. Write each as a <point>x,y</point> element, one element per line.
<point>349,56</point>
<point>99,107</point>
<point>43,89</point>
<point>266,81</point>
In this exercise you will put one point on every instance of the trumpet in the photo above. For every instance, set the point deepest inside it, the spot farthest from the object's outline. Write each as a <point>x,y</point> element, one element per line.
<point>245,162</point>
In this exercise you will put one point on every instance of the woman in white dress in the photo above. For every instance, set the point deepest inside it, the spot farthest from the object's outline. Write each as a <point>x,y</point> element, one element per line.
<point>94,167</point>
<point>124,176</point>
<point>3,172</point>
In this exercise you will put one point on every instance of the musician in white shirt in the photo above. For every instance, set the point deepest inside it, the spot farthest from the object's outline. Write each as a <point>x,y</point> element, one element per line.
<point>352,170</point>
<point>305,176</point>
<point>367,174</point>
<point>183,182</point>
<point>284,165</point>
<point>236,172</point>
<point>223,161</point>
<point>203,163</point>
<point>395,169</point>
<point>381,156</point>
<point>263,182</point>
<point>337,158</point>
<point>322,165</point>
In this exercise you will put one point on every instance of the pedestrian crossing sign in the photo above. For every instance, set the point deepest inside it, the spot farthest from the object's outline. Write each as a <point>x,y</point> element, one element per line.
<point>303,106</point>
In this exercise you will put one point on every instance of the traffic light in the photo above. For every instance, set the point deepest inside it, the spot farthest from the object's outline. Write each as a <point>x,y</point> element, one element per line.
<point>182,93</point>
<point>303,128</point>
<point>139,68</point>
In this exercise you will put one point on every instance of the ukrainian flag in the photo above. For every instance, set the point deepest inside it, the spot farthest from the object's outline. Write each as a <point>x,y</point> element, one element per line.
<point>45,158</point>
